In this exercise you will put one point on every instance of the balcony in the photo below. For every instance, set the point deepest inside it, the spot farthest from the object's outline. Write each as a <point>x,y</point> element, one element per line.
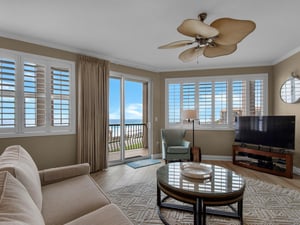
<point>135,141</point>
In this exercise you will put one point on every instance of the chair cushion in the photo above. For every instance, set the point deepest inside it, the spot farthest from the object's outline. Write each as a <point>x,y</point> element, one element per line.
<point>16,205</point>
<point>177,150</point>
<point>174,137</point>
<point>67,200</point>
<point>19,163</point>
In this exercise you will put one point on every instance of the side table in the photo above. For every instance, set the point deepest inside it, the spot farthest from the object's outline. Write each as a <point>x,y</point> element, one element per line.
<point>196,154</point>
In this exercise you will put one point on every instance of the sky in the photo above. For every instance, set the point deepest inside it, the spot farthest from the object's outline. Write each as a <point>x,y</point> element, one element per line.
<point>133,99</point>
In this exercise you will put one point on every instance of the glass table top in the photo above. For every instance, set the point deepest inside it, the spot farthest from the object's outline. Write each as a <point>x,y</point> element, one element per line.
<point>221,181</point>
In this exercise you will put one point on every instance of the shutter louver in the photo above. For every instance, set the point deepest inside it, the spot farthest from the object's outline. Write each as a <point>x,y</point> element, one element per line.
<point>256,97</point>
<point>221,102</point>
<point>205,102</point>
<point>174,103</point>
<point>188,95</point>
<point>60,97</point>
<point>34,95</point>
<point>239,101</point>
<point>7,93</point>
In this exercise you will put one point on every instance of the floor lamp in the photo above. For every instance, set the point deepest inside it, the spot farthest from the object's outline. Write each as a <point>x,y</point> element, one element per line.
<point>190,115</point>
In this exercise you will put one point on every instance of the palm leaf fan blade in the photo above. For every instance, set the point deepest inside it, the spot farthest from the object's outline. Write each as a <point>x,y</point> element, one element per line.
<point>176,44</point>
<point>219,50</point>
<point>194,28</point>
<point>232,31</point>
<point>190,54</point>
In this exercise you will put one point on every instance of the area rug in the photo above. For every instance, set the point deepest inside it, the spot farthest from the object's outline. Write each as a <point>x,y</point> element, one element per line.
<point>143,163</point>
<point>264,204</point>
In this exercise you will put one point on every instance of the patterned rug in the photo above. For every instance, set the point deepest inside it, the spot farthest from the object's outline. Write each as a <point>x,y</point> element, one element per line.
<point>264,204</point>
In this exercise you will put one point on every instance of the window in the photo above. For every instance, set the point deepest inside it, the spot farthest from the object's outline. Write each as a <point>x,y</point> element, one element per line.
<point>37,95</point>
<point>7,92</point>
<point>218,100</point>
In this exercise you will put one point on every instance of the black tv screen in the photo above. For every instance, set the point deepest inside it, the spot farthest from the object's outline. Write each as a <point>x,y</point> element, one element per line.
<point>272,131</point>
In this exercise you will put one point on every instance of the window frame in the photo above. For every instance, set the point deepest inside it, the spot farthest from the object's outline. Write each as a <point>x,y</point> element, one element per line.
<point>229,79</point>
<point>20,130</point>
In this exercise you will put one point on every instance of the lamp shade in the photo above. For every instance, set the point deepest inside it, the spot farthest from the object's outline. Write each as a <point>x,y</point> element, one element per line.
<point>189,114</point>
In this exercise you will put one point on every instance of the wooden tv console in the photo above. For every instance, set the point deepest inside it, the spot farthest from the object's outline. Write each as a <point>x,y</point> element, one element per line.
<point>274,162</point>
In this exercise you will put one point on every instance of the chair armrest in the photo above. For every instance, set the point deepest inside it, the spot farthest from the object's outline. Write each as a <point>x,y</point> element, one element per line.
<point>164,144</point>
<point>164,147</point>
<point>186,143</point>
<point>57,174</point>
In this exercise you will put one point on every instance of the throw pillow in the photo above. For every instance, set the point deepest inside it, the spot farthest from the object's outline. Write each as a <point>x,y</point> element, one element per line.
<point>19,163</point>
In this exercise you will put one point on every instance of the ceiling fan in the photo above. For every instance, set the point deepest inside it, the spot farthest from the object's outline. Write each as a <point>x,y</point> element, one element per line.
<point>217,39</point>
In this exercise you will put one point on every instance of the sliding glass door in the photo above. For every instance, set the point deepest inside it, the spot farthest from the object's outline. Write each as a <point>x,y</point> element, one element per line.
<point>128,119</point>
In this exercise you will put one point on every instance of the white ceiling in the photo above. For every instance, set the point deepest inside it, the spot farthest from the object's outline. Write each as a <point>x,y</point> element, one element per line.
<point>128,32</point>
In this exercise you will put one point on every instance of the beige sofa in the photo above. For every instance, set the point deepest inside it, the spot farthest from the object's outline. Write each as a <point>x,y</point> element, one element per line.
<point>64,195</point>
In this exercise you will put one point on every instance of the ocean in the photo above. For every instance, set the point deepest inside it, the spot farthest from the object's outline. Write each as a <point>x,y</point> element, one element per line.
<point>129,121</point>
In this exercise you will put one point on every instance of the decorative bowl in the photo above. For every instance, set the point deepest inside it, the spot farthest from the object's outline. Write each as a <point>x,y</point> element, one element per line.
<point>195,170</point>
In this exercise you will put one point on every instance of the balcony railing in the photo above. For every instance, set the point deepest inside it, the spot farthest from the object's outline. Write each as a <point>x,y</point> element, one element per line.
<point>135,137</point>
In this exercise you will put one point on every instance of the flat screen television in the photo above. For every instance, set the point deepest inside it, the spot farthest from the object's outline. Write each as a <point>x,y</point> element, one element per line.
<point>271,131</point>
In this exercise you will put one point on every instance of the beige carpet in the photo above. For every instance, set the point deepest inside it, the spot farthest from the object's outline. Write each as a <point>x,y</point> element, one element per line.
<point>264,204</point>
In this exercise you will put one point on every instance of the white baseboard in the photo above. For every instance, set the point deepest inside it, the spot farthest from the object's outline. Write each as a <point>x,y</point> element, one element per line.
<point>217,157</point>
<point>296,170</point>
<point>156,156</point>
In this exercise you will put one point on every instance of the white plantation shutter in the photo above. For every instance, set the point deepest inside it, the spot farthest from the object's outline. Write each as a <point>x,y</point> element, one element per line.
<point>218,100</point>
<point>188,96</point>
<point>34,95</point>
<point>60,97</point>
<point>205,102</point>
<point>256,97</point>
<point>247,98</point>
<point>174,103</point>
<point>7,93</point>
<point>239,98</point>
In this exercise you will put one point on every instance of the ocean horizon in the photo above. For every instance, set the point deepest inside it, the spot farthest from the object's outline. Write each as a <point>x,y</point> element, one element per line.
<point>128,121</point>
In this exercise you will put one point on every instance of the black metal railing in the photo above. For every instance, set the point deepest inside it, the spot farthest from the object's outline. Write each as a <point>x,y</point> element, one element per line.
<point>135,137</point>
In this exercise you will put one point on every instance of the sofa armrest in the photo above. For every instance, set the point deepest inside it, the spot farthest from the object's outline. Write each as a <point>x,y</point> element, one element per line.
<point>57,174</point>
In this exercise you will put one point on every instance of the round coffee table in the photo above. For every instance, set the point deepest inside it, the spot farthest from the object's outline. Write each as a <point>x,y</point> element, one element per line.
<point>223,188</point>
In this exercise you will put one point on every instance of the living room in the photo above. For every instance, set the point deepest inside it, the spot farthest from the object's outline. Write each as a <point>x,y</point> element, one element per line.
<point>61,150</point>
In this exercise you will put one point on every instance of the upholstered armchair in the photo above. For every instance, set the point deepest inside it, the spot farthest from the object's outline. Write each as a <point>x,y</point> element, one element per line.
<point>174,147</point>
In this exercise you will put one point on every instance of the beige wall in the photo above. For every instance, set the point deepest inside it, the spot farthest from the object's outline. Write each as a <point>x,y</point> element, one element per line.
<point>50,151</point>
<point>47,151</point>
<point>282,71</point>
<point>218,143</point>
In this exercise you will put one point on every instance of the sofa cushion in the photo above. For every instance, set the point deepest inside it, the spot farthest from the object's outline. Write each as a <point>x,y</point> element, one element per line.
<point>107,215</point>
<point>67,200</point>
<point>17,161</point>
<point>16,205</point>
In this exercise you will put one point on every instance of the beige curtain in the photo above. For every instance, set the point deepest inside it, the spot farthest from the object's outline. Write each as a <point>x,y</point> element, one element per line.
<point>92,122</point>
